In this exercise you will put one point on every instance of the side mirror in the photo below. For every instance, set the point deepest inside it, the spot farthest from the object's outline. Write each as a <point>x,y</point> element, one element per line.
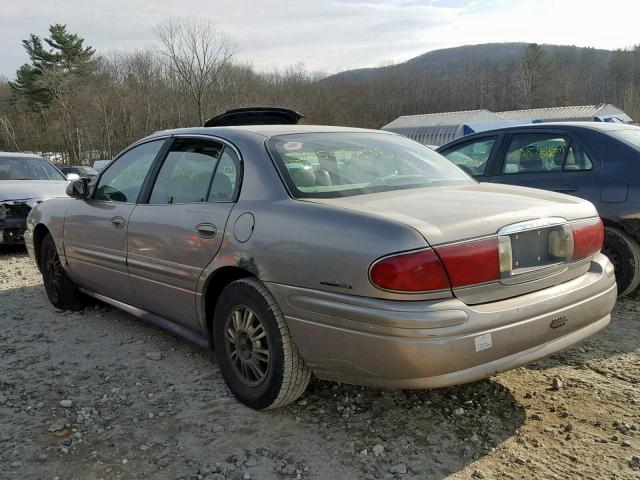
<point>78,188</point>
<point>72,177</point>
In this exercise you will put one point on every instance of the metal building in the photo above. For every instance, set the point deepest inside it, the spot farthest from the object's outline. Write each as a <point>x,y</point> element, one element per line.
<point>441,128</point>
<point>584,113</point>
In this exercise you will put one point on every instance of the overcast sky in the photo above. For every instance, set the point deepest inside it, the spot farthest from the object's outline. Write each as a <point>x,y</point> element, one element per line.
<point>330,35</point>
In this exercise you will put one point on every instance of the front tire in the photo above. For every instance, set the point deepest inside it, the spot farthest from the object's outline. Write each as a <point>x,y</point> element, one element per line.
<point>254,348</point>
<point>61,290</point>
<point>624,253</point>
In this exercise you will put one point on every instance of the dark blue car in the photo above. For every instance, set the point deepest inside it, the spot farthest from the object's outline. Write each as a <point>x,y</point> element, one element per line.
<point>596,161</point>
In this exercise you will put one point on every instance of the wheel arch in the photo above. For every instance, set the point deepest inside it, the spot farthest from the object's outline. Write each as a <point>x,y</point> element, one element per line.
<point>629,225</point>
<point>39,232</point>
<point>214,286</point>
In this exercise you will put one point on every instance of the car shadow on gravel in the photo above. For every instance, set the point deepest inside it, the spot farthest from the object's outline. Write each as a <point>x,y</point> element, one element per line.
<point>12,251</point>
<point>433,433</point>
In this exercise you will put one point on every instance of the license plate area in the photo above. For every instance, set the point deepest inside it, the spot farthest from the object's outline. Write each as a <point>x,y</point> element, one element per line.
<point>534,249</point>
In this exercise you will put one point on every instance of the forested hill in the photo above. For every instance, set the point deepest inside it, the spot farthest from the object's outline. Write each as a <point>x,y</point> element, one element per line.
<point>451,61</point>
<point>498,77</point>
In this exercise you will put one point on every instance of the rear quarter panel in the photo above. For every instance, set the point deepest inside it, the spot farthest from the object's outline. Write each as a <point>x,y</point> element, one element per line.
<point>620,191</point>
<point>312,246</point>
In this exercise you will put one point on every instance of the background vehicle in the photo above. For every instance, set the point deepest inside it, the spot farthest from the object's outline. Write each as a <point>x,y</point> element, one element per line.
<point>298,249</point>
<point>98,165</point>
<point>596,161</point>
<point>83,171</point>
<point>25,181</point>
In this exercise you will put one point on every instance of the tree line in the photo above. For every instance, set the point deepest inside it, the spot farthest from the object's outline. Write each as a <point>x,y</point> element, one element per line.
<point>83,105</point>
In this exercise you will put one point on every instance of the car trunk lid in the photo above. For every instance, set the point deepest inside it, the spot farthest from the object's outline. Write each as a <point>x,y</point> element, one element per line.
<point>529,221</point>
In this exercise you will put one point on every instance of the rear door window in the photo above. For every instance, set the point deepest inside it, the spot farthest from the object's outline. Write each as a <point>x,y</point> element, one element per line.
<point>187,172</point>
<point>225,180</point>
<point>577,159</point>
<point>535,153</point>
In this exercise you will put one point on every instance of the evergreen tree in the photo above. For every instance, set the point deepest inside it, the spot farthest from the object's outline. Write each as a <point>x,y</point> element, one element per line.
<point>534,74</point>
<point>66,55</point>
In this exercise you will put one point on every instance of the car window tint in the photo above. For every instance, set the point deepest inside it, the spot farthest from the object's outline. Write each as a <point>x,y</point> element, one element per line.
<point>472,157</point>
<point>185,175</point>
<point>226,178</point>
<point>577,159</point>
<point>537,152</point>
<point>121,182</point>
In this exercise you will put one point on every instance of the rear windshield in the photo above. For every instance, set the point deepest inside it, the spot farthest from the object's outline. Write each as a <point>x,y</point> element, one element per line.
<point>28,168</point>
<point>329,165</point>
<point>629,136</point>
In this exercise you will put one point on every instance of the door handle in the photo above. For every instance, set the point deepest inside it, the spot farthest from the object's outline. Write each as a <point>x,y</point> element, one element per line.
<point>206,230</point>
<point>117,222</point>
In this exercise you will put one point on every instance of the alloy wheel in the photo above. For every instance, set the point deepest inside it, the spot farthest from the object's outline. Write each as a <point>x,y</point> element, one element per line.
<point>247,345</point>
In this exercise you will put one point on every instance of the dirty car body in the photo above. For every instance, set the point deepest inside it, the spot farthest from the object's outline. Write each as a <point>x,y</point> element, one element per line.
<point>383,264</point>
<point>25,181</point>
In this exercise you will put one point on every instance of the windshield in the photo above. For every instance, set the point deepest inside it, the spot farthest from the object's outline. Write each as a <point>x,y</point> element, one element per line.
<point>81,169</point>
<point>329,165</point>
<point>629,136</point>
<point>28,168</point>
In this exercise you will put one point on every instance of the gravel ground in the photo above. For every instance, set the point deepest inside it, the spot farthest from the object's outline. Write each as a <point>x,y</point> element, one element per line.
<point>99,395</point>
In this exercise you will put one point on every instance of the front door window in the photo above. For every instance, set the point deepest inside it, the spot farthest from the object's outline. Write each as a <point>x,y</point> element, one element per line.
<point>472,157</point>
<point>123,179</point>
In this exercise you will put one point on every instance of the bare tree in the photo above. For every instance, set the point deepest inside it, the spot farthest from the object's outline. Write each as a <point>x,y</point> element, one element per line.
<point>198,50</point>
<point>8,128</point>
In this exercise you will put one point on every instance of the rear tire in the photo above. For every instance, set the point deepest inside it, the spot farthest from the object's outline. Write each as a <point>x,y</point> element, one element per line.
<point>61,290</point>
<point>254,348</point>
<point>624,253</point>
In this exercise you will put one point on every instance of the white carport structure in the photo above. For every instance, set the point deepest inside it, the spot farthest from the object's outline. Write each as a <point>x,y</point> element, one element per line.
<point>584,113</point>
<point>440,128</point>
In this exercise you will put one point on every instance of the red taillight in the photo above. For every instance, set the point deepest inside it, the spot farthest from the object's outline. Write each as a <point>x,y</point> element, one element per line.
<point>588,237</point>
<point>419,271</point>
<point>472,262</point>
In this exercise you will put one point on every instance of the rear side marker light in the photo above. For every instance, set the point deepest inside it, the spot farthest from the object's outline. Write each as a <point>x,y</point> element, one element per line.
<point>588,237</point>
<point>419,271</point>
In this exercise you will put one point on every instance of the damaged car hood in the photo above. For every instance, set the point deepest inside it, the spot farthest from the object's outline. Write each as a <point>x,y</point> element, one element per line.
<point>26,189</point>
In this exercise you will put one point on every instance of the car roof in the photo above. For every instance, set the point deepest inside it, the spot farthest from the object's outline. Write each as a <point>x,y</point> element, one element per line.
<point>19,155</point>
<point>268,130</point>
<point>596,126</point>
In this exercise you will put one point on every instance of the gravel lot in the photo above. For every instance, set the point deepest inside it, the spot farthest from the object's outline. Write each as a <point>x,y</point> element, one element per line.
<point>98,394</point>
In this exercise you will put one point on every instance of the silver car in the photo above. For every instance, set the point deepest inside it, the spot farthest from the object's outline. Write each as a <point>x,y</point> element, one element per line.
<point>357,255</point>
<point>26,179</point>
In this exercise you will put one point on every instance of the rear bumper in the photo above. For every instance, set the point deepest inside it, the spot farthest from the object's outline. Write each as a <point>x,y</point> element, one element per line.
<point>426,344</point>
